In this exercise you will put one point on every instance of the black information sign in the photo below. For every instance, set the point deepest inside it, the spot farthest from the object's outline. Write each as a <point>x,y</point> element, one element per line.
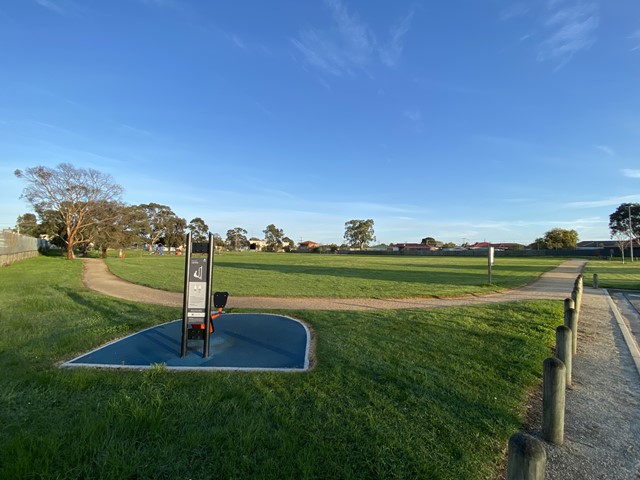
<point>196,308</point>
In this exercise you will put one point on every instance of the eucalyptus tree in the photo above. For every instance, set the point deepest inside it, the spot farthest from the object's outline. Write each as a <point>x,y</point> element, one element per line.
<point>74,196</point>
<point>359,233</point>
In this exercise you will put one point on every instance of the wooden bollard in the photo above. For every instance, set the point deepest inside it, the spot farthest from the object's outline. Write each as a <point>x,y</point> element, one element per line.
<point>553,395</point>
<point>564,349</point>
<point>595,280</point>
<point>571,321</point>
<point>527,458</point>
<point>568,303</point>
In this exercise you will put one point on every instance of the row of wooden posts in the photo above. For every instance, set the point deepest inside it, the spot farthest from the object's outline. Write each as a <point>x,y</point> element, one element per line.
<point>527,457</point>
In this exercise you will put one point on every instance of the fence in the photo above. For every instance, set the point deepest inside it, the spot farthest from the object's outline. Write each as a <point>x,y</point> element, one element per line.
<point>566,252</point>
<point>15,247</point>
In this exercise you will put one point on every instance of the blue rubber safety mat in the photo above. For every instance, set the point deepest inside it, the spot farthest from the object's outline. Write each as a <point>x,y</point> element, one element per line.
<point>241,341</point>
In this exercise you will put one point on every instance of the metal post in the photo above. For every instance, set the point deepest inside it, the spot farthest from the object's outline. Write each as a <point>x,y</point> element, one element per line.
<point>185,319</point>
<point>207,318</point>
<point>490,262</point>
<point>631,232</point>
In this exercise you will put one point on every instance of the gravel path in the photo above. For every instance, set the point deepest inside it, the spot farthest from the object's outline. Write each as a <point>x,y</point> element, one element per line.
<point>602,419</point>
<point>602,412</point>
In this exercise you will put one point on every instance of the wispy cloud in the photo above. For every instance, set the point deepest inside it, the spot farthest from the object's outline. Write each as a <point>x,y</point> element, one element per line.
<point>627,172</point>
<point>349,45</point>
<point>516,10</point>
<point>608,150</point>
<point>571,28</point>
<point>634,38</point>
<point>605,202</point>
<point>413,115</point>
<point>238,42</point>
<point>160,3</point>
<point>390,53</point>
<point>51,5</point>
<point>135,130</point>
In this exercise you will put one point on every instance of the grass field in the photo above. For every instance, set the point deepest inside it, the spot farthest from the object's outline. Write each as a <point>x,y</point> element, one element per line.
<point>614,274</point>
<point>407,394</point>
<point>345,276</point>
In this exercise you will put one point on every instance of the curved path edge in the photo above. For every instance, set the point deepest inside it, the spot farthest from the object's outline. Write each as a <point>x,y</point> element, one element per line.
<point>555,284</point>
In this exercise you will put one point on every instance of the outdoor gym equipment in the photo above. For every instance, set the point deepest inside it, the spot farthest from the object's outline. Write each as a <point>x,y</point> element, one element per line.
<point>197,319</point>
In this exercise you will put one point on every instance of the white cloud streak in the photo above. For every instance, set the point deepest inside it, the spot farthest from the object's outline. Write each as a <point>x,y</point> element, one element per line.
<point>627,172</point>
<point>608,150</point>
<point>390,54</point>
<point>635,39</point>
<point>606,202</point>
<point>50,5</point>
<point>349,45</point>
<point>514,11</point>
<point>571,29</point>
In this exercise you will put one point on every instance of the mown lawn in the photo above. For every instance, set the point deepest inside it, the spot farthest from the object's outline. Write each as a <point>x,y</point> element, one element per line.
<point>344,276</point>
<point>614,273</point>
<point>407,394</point>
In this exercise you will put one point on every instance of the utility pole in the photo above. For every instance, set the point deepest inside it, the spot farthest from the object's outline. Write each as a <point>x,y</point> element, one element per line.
<point>631,232</point>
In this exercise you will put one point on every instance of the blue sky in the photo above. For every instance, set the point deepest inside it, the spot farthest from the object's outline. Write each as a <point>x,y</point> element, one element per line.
<point>465,120</point>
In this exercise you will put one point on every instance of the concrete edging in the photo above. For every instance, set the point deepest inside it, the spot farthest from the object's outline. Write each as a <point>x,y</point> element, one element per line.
<point>628,338</point>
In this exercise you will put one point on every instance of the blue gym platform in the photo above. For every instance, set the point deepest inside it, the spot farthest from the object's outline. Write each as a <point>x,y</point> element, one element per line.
<point>241,341</point>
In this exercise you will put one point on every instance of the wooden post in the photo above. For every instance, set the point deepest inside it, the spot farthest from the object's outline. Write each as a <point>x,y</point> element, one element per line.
<point>527,458</point>
<point>553,396</point>
<point>564,350</point>
<point>571,321</point>
<point>595,280</point>
<point>568,304</point>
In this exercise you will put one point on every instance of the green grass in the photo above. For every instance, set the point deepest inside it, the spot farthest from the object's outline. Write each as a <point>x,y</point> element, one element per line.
<point>343,276</point>
<point>614,273</point>
<point>406,394</point>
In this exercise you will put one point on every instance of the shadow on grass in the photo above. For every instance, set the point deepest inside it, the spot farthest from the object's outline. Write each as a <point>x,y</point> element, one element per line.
<point>429,277</point>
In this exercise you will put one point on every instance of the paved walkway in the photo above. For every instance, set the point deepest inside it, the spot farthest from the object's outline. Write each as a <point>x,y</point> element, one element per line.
<point>556,284</point>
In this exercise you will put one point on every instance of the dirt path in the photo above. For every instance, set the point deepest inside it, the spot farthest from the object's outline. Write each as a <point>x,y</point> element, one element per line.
<point>555,285</point>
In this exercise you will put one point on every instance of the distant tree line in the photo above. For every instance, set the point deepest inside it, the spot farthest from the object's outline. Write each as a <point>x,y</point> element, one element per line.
<point>77,207</point>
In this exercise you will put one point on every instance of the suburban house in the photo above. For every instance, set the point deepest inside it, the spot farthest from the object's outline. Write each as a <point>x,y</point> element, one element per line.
<point>307,245</point>
<point>256,244</point>
<point>411,247</point>
<point>597,244</point>
<point>497,246</point>
<point>480,246</point>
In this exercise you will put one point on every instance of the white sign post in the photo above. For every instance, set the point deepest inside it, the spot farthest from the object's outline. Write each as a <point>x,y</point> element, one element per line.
<point>490,262</point>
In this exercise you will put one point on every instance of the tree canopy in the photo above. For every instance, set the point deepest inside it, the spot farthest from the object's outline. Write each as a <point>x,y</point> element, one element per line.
<point>237,238</point>
<point>27,224</point>
<point>161,224</point>
<point>359,233</point>
<point>559,238</point>
<point>626,220</point>
<point>199,230</point>
<point>75,195</point>
<point>273,236</point>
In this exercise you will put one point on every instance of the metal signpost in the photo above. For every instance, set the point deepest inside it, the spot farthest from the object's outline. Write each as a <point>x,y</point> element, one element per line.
<point>196,310</point>
<point>490,262</point>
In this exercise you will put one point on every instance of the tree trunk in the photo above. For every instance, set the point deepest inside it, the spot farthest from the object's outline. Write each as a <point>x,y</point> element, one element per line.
<point>70,243</point>
<point>104,252</point>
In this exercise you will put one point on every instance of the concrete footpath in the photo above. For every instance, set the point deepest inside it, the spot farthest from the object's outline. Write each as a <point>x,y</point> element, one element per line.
<point>602,419</point>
